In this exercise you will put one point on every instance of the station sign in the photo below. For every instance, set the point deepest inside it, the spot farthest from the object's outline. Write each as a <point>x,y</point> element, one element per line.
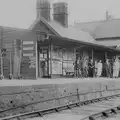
<point>28,48</point>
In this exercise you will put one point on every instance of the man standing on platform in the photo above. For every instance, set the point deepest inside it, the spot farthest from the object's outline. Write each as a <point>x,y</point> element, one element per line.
<point>99,68</point>
<point>107,65</point>
<point>85,68</point>
<point>116,68</point>
<point>91,68</point>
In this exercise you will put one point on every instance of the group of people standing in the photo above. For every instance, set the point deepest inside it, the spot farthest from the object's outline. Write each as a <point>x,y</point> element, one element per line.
<point>88,68</point>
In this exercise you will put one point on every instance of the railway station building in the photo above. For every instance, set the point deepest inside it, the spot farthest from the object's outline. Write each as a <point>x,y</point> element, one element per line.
<point>49,43</point>
<point>105,32</point>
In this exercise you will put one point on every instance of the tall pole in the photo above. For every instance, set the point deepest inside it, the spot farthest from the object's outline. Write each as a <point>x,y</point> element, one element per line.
<point>50,58</point>
<point>75,63</point>
<point>92,54</point>
<point>36,59</point>
<point>1,54</point>
<point>1,64</point>
<point>10,75</point>
<point>10,64</point>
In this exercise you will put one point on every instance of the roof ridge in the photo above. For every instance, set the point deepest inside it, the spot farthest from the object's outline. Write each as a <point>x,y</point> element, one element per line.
<point>15,28</point>
<point>97,21</point>
<point>91,21</point>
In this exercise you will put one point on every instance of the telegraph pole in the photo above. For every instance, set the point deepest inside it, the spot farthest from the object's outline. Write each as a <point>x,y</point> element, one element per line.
<point>1,56</point>
<point>10,75</point>
<point>2,52</point>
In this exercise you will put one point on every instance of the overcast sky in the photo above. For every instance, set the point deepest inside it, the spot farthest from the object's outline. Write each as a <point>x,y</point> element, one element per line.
<point>21,13</point>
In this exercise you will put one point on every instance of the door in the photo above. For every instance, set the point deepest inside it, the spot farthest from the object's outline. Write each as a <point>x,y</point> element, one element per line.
<point>43,62</point>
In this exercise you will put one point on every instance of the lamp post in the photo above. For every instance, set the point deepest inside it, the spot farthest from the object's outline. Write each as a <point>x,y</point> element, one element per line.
<point>41,38</point>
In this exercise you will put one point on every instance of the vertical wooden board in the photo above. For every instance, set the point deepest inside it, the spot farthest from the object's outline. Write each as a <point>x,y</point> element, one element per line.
<point>10,90</point>
<point>118,91</point>
<point>63,101</point>
<point>66,89</point>
<point>112,92</point>
<point>104,87</point>
<point>71,99</point>
<point>24,99</point>
<point>9,101</point>
<point>104,94</point>
<point>49,93</point>
<point>43,86</point>
<point>50,104</point>
<point>93,95</point>
<point>98,95</point>
<point>117,84</point>
<point>82,98</point>
<point>84,87</point>
<point>14,112</point>
<point>46,105</point>
<point>61,90</point>
<point>89,96</point>
<point>39,93</point>
<point>71,89</point>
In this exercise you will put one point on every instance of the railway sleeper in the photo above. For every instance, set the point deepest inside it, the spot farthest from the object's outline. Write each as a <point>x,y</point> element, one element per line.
<point>105,114</point>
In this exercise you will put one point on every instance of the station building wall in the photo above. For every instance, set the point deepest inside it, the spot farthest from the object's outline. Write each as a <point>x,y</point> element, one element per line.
<point>19,54</point>
<point>63,58</point>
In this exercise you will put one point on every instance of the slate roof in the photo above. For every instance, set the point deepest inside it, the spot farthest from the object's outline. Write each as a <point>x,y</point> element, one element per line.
<point>88,26</point>
<point>101,29</point>
<point>10,31</point>
<point>109,42</point>
<point>108,29</point>
<point>70,32</point>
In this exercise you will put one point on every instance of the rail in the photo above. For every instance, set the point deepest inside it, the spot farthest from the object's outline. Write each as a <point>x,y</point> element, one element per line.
<point>104,114</point>
<point>57,98</point>
<point>40,113</point>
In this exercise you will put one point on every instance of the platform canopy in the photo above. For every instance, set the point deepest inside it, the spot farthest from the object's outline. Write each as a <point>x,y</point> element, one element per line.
<point>75,43</point>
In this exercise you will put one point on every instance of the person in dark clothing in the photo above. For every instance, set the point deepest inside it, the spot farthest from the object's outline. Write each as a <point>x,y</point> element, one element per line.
<point>76,69</point>
<point>91,68</point>
<point>107,66</point>
<point>111,68</point>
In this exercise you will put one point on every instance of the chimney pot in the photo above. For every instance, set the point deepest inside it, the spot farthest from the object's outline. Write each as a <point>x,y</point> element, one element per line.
<point>43,9</point>
<point>60,13</point>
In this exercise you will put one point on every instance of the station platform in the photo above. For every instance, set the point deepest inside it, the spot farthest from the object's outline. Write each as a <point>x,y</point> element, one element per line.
<point>44,81</point>
<point>40,94</point>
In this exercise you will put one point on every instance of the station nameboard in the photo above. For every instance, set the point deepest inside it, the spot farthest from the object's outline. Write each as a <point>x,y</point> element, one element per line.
<point>28,48</point>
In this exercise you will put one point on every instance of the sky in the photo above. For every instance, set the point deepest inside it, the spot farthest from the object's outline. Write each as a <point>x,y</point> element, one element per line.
<point>21,13</point>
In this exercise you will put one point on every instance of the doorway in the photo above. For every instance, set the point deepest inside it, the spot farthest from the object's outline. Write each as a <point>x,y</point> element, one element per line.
<point>44,62</point>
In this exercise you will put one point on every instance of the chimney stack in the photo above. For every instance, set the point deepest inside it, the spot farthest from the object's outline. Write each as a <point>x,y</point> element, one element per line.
<point>60,13</point>
<point>43,9</point>
<point>107,15</point>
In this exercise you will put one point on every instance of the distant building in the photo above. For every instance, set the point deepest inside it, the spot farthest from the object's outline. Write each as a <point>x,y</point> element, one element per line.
<point>105,32</point>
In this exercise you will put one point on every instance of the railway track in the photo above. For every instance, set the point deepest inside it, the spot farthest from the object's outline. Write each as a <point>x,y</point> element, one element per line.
<point>93,109</point>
